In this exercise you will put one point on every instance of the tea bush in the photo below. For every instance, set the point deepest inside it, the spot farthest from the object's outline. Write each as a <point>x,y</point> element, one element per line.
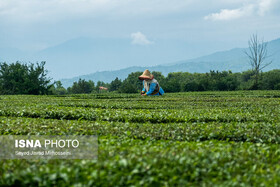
<point>180,139</point>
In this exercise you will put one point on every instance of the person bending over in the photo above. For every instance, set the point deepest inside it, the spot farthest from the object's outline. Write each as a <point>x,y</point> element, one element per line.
<point>150,85</point>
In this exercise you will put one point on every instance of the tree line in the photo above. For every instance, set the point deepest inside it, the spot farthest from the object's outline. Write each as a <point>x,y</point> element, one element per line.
<point>20,78</point>
<point>182,82</point>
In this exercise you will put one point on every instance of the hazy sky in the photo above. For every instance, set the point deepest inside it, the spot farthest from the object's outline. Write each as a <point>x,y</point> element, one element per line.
<point>38,24</point>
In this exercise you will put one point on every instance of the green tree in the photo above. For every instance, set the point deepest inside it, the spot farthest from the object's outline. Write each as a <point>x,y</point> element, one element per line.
<point>271,80</point>
<point>158,76</point>
<point>115,84</point>
<point>174,82</point>
<point>132,84</point>
<point>21,78</point>
<point>59,89</point>
<point>191,86</point>
<point>246,80</point>
<point>99,84</point>
<point>82,86</point>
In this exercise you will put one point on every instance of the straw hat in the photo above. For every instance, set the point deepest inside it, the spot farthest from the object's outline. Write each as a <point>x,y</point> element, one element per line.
<point>146,75</point>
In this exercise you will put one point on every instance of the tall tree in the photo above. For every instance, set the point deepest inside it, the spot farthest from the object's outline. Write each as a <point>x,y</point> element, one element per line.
<point>20,78</point>
<point>59,89</point>
<point>257,55</point>
<point>115,84</point>
<point>82,86</point>
<point>132,84</point>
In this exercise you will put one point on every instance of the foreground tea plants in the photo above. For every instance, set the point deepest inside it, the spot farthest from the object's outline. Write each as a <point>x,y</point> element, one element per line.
<point>198,139</point>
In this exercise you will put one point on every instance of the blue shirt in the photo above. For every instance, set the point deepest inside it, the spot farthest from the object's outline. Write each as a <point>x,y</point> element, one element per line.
<point>152,88</point>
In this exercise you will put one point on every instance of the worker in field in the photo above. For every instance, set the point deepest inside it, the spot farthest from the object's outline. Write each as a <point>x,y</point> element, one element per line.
<point>150,85</point>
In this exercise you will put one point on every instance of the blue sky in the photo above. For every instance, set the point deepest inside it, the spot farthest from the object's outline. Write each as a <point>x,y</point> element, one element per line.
<point>213,25</point>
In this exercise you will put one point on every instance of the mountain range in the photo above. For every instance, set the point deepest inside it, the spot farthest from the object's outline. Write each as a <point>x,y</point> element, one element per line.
<point>234,60</point>
<point>104,59</point>
<point>85,55</point>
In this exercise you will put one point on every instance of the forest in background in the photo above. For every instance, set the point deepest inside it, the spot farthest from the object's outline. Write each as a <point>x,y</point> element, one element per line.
<point>182,82</point>
<point>20,78</point>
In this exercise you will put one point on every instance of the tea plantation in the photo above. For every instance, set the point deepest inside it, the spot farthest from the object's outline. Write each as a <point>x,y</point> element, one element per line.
<point>182,139</point>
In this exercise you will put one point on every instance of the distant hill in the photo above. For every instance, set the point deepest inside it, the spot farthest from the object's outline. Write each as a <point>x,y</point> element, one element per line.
<point>119,57</point>
<point>97,54</point>
<point>85,55</point>
<point>234,60</point>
